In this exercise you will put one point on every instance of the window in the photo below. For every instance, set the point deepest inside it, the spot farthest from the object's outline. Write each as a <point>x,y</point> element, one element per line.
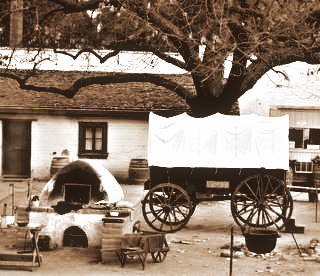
<point>93,140</point>
<point>296,135</point>
<point>314,138</point>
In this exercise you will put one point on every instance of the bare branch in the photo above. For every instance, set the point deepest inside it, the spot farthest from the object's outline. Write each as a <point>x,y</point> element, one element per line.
<point>50,14</point>
<point>75,6</point>
<point>101,80</point>
<point>102,59</point>
<point>169,58</point>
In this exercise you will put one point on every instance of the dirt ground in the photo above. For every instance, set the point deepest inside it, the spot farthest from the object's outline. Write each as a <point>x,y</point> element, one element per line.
<point>195,250</point>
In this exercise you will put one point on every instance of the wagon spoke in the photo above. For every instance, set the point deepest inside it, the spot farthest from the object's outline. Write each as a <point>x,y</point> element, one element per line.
<point>259,188</point>
<point>258,218</point>
<point>266,214</point>
<point>263,218</point>
<point>177,197</point>
<point>272,220</point>
<point>164,196</point>
<point>175,215</point>
<point>265,191</point>
<point>170,224</point>
<point>158,256</point>
<point>158,197</point>
<point>246,203</point>
<point>242,196</point>
<point>272,210</point>
<point>182,213</point>
<point>154,220</point>
<point>244,210</point>
<point>250,189</point>
<point>253,212</point>
<point>272,204</point>
<point>158,212</point>
<point>162,214</point>
<point>170,195</point>
<point>275,189</point>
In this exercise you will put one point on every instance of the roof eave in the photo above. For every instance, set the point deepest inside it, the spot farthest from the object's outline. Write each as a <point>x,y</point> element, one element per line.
<point>89,112</point>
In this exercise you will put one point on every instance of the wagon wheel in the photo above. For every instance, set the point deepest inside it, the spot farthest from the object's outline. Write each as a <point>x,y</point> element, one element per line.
<point>158,256</point>
<point>260,201</point>
<point>162,219</point>
<point>167,207</point>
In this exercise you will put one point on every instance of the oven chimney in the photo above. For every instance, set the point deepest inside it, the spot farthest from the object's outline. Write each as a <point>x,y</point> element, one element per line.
<point>16,23</point>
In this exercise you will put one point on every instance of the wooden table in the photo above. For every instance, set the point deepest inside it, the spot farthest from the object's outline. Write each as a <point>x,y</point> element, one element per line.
<point>21,256</point>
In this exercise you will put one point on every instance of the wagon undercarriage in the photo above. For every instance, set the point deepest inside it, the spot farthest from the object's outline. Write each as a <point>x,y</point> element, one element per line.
<point>256,200</point>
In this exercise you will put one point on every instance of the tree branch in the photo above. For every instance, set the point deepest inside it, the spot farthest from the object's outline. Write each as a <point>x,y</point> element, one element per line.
<point>100,80</point>
<point>169,58</point>
<point>76,6</point>
<point>102,59</point>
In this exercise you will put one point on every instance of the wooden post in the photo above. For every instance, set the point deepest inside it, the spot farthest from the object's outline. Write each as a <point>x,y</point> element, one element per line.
<point>13,199</point>
<point>231,252</point>
<point>316,203</point>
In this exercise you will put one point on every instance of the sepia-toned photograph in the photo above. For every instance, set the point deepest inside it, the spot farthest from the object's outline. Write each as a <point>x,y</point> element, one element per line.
<point>159,137</point>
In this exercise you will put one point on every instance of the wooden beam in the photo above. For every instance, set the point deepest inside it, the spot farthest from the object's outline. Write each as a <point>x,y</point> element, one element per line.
<point>16,267</point>
<point>303,189</point>
<point>17,257</point>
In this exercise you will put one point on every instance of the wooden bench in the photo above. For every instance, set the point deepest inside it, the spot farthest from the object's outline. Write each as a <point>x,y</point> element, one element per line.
<point>18,261</point>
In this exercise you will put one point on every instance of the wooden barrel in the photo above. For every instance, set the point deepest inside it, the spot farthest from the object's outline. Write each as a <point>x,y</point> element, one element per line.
<point>138,171</point>
<point>57,163</point>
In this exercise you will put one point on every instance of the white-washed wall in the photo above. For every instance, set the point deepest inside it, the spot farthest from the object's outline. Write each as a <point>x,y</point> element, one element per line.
<point>49,135</point>
<point>127,139</point>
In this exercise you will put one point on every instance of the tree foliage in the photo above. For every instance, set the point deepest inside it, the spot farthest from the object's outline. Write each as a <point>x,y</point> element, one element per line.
<point>254,35</point>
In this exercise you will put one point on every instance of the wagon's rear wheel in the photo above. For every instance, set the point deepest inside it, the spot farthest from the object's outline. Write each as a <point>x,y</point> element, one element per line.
<point>167,207</point>
<point>159,256</point>
<point>260,201</point>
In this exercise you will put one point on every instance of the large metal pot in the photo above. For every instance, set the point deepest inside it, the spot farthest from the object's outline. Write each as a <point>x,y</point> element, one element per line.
<point>261,241</point>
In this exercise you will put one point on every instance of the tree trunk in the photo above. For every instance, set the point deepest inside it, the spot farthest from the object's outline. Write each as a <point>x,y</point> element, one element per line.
<point>206,106</point>
<point>211,97</point>
<point>16,23</point>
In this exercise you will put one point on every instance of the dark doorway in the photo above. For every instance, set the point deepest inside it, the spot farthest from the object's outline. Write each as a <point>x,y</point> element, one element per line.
<point>16,148</point>
<point>75,237</point>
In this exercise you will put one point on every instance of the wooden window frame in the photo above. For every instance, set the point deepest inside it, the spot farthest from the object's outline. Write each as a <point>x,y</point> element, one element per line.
<point>95,154</point>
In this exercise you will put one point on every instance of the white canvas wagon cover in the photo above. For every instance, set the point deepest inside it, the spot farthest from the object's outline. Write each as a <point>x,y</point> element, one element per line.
<point>220,141</point>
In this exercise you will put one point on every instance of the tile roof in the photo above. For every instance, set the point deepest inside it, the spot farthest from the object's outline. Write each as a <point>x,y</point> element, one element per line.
<point>112,97</point>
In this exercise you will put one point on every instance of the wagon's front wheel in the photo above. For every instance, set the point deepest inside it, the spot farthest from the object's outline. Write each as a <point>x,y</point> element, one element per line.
<point>261,201</point>
<point>167,207</point>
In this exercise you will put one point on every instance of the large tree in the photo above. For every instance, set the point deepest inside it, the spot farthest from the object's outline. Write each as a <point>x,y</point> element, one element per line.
<point>253,35</point>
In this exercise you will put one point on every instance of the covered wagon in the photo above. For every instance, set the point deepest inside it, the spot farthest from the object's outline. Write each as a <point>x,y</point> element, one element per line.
<point>242,158</point>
